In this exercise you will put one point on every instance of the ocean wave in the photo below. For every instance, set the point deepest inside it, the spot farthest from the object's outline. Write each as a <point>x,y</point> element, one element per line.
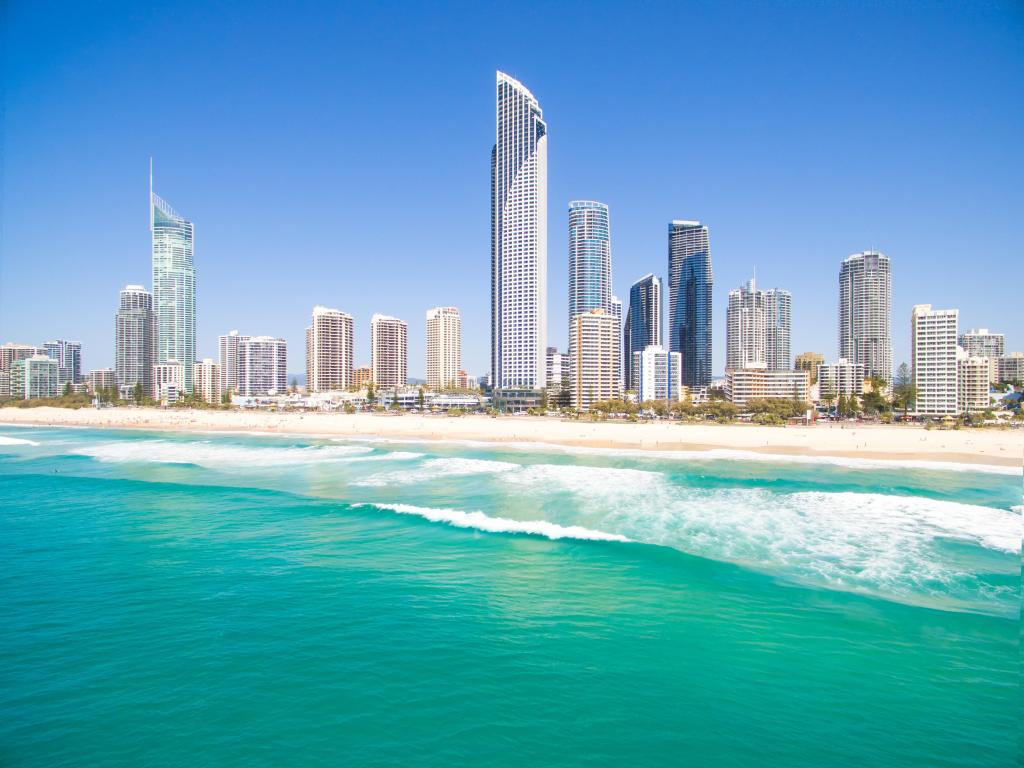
<point>212,454</point>
<point>435,469</point>
<point>5,440</point>
<point>482,522</point>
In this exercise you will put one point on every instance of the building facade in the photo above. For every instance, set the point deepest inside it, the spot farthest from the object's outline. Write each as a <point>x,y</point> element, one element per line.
<point>444,347</point>
<point>174,285</point>
<point>972,383</point>
<point>809,361</point>
<point>229,347</point>
<point>105,379</point>
<point>329,340</point>
<point>690,283</point>
<point>11,352</point>
<point>590,258</point>
<point>34,377</point>
<point>657,374</point>
<point>206,380</point>
<point>841,378</point>
<point>1010,368</point>
<point>745,384</point>
<point>263,366</point>
<point>68,355</point>
<point>362,376</point>
<point>595,343</point>
<point>758,328</point>
<point>642,328</point>
<point>865,313</point>
<point>389,352</point>
<point>519,239</point>
<point>980,342</point>
<point>933,353</point>
<point>135,342</point>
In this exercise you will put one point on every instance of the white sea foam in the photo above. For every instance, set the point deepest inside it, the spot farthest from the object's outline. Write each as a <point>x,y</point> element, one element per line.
<point>434,469</point>
<point>215,454</point>
<point>5,440</point>
<point>482,522</point>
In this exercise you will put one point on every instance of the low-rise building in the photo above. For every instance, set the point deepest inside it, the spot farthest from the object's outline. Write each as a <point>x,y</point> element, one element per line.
<point>746,384</point>
<point>809,361</point>
<point>362,376</point>
<point>35,377</point>
<point>102,379</point>
<point>841,378</point>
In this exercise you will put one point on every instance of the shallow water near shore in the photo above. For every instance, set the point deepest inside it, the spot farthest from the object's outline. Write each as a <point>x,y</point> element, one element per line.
<point>257,600</point>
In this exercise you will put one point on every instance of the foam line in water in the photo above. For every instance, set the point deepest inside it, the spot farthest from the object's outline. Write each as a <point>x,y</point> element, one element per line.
<point>434,469</point>
<point>5,440</point>
<point>482,522</point>
<point>211,454</point>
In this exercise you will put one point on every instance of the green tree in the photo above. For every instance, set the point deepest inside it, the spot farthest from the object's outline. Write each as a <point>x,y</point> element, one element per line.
<point>67,389</point>
<point>904,392</point>
<point>371,395</point>
<point>394,400</point>
<point>841,407</point>
<point>295,384</point>
<point>419,398</point>
<point>137,393</point>
<point>225,399</point>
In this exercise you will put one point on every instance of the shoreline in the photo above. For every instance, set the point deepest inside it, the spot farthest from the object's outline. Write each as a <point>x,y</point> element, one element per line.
<point>873,443</point>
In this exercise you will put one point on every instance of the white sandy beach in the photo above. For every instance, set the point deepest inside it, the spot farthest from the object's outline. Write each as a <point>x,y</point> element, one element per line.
<point>1003,448</point>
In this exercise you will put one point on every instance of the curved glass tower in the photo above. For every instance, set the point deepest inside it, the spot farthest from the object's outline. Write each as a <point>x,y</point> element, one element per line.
<point>519,239</point>
<point>174,286</point>
<point>643,320</point>
<point>590,258</point>
<point>690,281</point>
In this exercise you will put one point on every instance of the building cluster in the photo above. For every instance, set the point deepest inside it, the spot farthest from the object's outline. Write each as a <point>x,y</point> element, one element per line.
<point>661,349</point>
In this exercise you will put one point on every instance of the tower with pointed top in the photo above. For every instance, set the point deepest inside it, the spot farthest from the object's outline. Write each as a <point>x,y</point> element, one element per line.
<point>519,239</point>
<point>174,285</point>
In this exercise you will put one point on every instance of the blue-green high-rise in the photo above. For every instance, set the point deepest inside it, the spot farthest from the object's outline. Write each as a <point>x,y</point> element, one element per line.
<point>643,320</point>
<point>174,285</point>
<point>690,281</point>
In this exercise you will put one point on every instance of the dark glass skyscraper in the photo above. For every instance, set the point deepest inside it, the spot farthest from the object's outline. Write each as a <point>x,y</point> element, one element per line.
<point>689,299</point>
<point>643,320</point>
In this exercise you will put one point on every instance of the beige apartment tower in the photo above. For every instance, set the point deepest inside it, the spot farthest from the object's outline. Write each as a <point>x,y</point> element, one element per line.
<point>389,357</point>
<point>444,347</point>
<point>329,350</point>
<point>596,350</point>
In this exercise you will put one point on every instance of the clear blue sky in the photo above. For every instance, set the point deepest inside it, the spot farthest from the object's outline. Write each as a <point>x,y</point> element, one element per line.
<point>340,155</point>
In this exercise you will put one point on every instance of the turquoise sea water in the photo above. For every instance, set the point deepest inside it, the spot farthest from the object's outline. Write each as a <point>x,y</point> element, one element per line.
<point>240,600</point>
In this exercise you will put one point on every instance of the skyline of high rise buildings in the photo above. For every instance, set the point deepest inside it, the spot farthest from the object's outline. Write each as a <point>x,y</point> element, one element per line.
<point>174,284</point>
<point>519,239</point>
<point>690,286</point>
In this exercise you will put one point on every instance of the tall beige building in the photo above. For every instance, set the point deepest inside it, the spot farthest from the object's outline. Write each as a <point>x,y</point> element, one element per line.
<point>329,350</point>
<point>596,349</point>
<point>389,353</point>
<point>972,373</point>
<point>934,356</point>
<point>206,381</point>
<point>444,347</point>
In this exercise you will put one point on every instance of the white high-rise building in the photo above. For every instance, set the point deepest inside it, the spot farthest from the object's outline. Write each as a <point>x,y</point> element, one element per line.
<point>758,328</point>
<point>980,342</point>
<point>934,357</point>
<point>519,239</point>
<point>865,313</point>
<point>557,369</point>
<point>206,380</point>
<point>168,381</point>
<point>263,366</point>
<point>135,340</point>
<point>37,376</point>
<point>68,355</point>
<point>389,352</point>
<point>840,378</point>
<point>596,351</point>
<point>174,285</point>
<point>329,350</point>
<point>657,374</point>
<point>972,376</point>
<point>444,347</point>
<point>229,346</point>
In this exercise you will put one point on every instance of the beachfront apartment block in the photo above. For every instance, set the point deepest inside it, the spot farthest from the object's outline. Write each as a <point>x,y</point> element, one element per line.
<point>865,313</point>
<point>329,340</point>
<point>262,366</point>
<point>34,377</point>
<point>10,353</point>
<point>206,380</point>
<point>444,347</point>
<point>657,374</point>
<point>758,328</point>
<point>135,340</point>
<point>229,347</point>
<point>1011,368</point>
<point>519,240</point>
<point>690,284</point>
<point>68,355</point>
<point>169,381</point>
<point>758,383</point>
<point>933,356</point>
<point>389,351</point>
<point>973,374</point>
<point>596,352</point>
<point>842,378</point>
<point>105,379</point>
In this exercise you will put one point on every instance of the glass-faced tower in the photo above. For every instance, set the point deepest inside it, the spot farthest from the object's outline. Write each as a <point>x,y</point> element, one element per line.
<point>690,281</point>
<point>519,239</point>
<point>174,285</point>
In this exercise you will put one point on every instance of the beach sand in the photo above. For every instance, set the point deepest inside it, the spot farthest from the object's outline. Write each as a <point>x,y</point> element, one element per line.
<point>998,447</point>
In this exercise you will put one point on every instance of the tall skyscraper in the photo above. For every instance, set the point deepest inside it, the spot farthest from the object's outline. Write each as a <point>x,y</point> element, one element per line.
<point>519,239</point>
<point>389,352</point>
<point>758,328</point>
<point>229,346</point>
<point>174,285</point>
<point>690,281</point>
<point>68,355</point>
<point>329,350</point>
<point>595,341</point>
<point>590,258</point>
<point>643,321</point>
<point>263,366</point>
<point>135,340</point>
<point>934,355</point>
<point>865,313</point>
<point>444,347</point>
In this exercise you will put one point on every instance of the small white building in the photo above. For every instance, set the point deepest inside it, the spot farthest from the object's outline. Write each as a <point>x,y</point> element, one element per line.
<point>657,374</point>
<point>746,384</point>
